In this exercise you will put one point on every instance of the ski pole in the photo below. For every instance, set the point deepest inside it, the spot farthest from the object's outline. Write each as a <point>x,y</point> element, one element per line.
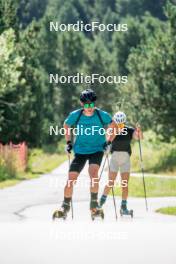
<point>103,167</point>
<point>71,198</point>
<point>142,169</point>
<point>115,208</point>
<point>105,154</point>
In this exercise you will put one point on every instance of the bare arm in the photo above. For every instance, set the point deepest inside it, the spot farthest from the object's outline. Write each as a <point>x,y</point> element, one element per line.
<point>137,134</point>
<point>111,132</point>
<point>67,133</point>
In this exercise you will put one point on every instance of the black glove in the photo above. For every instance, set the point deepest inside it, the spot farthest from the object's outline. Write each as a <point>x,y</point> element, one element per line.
<point>69,146</point>
<point>107,146</point>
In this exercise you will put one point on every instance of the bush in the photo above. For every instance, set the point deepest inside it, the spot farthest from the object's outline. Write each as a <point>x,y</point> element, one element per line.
<point>3,173</point>
<point>158,156</point>
<point>7,166</point>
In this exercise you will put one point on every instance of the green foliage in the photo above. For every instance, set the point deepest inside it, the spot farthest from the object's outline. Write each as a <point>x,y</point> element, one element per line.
<point>167,210</point>
<point>71,54</point>
<point>100,61</point>
<point>42,161</point>
<point>29,10</point>
<point>146,52</point>
<point>8,18</point>
<point>35,91</point>
<point>158,156</point>
<point>139,30</point>
<point>3,173</point>
<point>155,187</point>
<point>11,64</point>
<point>8,168</point>
<point>139,7</point>
<point>152,79</point>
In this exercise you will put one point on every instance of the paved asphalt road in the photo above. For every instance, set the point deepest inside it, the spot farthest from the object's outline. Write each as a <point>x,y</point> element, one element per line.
<point>28,235</point>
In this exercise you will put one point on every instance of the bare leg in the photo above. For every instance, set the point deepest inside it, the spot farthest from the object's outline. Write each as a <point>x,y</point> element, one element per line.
<point>108,187</point>
<point>111,180</point>
<point>68,191</point>
<point>94,179</point>
<point>124,184</point>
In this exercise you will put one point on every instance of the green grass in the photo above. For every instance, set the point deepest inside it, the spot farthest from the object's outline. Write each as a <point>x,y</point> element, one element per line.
<point>167,210</point>
<point>39,162</point>
<point>8,183</point>
<point>156,187</point>
<point>158,157</point>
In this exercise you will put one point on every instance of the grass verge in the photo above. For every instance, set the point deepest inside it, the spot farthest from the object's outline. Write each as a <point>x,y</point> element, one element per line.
<point>40,162</point>
<point>155,186</point>
<point>167,210</point>
<point>158,156</point>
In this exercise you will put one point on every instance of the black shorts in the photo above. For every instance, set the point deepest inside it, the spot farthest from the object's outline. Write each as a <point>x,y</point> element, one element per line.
<point>79,160</point>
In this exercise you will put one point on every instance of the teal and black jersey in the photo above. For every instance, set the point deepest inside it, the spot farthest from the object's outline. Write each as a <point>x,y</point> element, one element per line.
<point>122,142</point>
<point>90,138</point>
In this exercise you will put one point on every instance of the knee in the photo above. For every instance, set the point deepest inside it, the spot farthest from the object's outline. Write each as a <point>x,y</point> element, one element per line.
<point>93,173</point>
<point>72,179</point>
<point>94,181</point>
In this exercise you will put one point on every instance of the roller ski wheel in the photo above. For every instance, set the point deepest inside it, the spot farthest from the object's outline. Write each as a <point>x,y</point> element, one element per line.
<point>97,212</point>
<point>126,212</point>
<point>59,214</point>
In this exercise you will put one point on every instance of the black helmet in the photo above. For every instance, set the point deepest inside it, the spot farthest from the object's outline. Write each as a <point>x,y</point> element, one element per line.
<point>88,95</point>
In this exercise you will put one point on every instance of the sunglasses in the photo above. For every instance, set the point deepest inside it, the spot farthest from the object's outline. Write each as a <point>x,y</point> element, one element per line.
<point>91,105</point>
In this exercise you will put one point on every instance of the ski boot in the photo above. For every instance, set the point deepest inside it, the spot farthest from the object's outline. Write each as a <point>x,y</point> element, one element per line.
<point>95,209</point>
<point>97,212</point>
<point>124,210</point>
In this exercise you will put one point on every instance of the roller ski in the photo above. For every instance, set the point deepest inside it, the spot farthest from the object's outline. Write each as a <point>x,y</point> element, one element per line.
<point>63,212</point>
<point>97,212</point>
<point>124,210</point>
<point>95,209</point>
